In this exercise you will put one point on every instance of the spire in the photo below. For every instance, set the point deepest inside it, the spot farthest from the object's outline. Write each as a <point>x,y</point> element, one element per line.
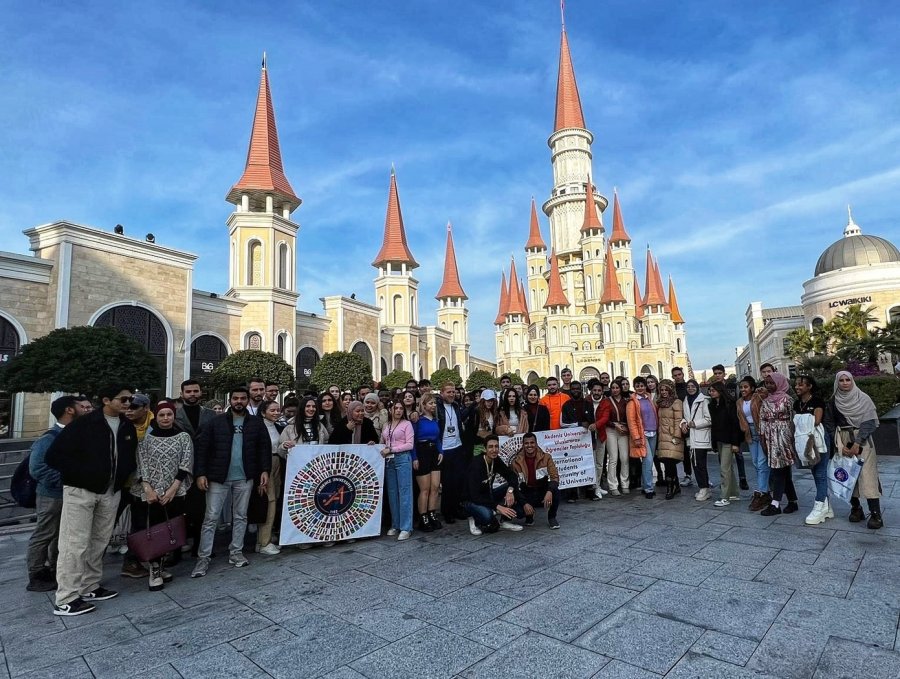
<point>263,172</point>
<point>638,298</point>
<point>611,290</point>
<point>852,228</point>
<point>673,304</point>
<point>504,301</point>
<point>555,296</point>
<point>394,248</point>
<point>450,287</point>
<point>524,301</point>
<point>652,284</point>
<point>568,103</point>
<point>534,233</point>
<point>619,235</point>
<point>516,298</point>
<point>659,279</point>
<point>591,219</point>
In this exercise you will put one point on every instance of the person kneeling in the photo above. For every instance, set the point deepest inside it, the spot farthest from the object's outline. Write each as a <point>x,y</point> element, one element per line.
<point>538,480</point>
<point>492,491</point>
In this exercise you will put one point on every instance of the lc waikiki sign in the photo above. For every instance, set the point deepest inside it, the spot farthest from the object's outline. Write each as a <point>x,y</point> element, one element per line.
<point>849,301</point>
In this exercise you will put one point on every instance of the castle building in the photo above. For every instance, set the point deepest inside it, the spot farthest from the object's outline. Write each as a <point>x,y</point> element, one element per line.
<point>580,307</point>
<point>80,275</point>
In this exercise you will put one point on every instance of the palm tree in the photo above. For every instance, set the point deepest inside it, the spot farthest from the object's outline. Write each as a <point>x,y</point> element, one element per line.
<point>819,367</point>
<point>800,343</point>
<point>853,323</point>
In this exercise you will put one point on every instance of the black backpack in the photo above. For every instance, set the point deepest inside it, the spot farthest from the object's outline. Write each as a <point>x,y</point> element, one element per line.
<point>23,487</point>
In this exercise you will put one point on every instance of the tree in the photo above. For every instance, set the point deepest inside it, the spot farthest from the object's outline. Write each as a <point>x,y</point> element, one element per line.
<point>799,343</point>
<point>343,368</point>
<point>852,323</point>
<point>481,379</point>
<point>397,379</point>
<point>80,360</point>
<point>238,368</point>
<point>819,367</point>
<point>443,375</point>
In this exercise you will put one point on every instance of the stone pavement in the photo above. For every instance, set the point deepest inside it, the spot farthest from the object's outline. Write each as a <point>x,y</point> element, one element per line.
<point>627,588</point>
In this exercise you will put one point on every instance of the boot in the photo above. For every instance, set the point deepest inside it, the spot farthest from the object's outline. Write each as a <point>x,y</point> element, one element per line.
<point>677,485</point>
<point>856,512</point>
<point>425,523</point>
<point>670,489</point>
<point>434,520</point>
<point>875,521</point>
<point>156,581</point>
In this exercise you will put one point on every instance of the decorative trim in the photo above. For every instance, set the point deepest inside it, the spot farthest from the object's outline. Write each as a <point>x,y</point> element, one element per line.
<point>219,337</point>
<point>63,285</point>
<point>25,268</point>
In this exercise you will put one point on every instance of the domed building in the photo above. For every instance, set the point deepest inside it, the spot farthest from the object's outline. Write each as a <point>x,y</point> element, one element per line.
<point>856,269</point>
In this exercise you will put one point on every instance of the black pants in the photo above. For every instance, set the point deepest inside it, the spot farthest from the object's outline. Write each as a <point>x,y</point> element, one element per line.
<point>671,468</point>
<point>687,463</point>
<point>195,510</point>
<point>141,513</point>
<point>700,470</point>
<point>781,483</point>
<point>535,498</point>
<point>453,476</point>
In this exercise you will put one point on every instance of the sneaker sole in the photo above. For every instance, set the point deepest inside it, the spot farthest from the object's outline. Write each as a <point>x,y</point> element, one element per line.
<point>67,614</point>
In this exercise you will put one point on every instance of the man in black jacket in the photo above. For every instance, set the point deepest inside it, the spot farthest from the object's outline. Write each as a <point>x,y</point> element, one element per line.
<point>233,451</point>
<point>451,419</point>
<point>578,412</point>
<point>95,456</point>
<point>492,489</point>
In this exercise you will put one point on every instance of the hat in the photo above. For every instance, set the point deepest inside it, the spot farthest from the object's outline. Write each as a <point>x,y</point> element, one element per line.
<point>140,400</point>
<point>163,405</point>
<point>488,394</point>
<point>371,397</point>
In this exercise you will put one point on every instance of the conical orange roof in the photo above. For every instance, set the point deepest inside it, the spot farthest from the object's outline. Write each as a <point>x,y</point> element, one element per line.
<point>659,278</point>
<point>450,287</point>
<point>263,172</point>
<point>611,290</point>
<point>638,299</point>
<point>652,283</point>
<point>568,103</point>
<point>673,304</point>
<point>524,300</point>
<point>394,248</point>
<point>516,298</point>
<point>556,296</point>
<point>591,219</point>
<point>619,235</point>
<point>534,232</point>
<point>504,301</point>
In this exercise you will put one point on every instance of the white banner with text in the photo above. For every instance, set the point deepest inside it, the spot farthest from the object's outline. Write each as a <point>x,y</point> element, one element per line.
<point>572,451</point>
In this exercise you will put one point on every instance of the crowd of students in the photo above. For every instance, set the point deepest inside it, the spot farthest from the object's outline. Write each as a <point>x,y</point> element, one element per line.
<point>442,459</point>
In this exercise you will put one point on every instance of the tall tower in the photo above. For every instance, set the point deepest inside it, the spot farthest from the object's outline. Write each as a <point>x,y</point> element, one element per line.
<point>263,238</point>
<point>452,313</point>
<point>621,253</point>
<point>395,288</point>
<point>559,353</point>
<point>655,316</point>
<point>591,250</point>
<point>536,263</point>
<point>680,339</point>
<point>499,322</point>
<point>516,327</point>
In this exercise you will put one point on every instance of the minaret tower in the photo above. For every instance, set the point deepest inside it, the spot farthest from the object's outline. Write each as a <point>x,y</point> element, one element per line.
<point>613,311</point>
<point>679,336</point>
<point>592,250</point>
<point>395,288</point>
<point>499,322</point>
<point>536,263</point>
<point>516,327</point>
<point>452,313</point>
<point>263,238</point>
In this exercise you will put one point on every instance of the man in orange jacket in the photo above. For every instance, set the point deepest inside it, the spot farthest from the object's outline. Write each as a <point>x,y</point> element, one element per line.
<point>553,400</point>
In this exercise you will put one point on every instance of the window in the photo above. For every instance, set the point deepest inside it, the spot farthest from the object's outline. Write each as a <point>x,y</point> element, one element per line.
<point>280,346</point>
<point>442,364</point>
<point>678,345</point>
<point>207,351</point>
<point>145,328</point>
<point>307,358</point>
<point>254,263</point>
<point>785,346</point>
<point>398,361</point>
<point>363,350</point>
<point>397,316</point>
<point>283,266</point>
<point>893,316</point>
<point>253,341</point>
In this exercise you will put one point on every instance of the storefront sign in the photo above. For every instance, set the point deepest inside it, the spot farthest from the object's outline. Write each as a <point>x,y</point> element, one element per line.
<point>850,301</point>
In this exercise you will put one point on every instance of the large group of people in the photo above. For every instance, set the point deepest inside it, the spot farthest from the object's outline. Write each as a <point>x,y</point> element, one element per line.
<point>442,459</point>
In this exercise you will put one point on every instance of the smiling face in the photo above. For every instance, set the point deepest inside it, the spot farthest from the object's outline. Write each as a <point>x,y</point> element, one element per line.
<point>746,390</point>
<point>309,410</point>
<point>552,385</point>
<point>492,449</point>
<point>409,400</point>
<point>615,390</point>
<point>691,388</point>
<point>272,411</point>
<point>357,414</point>
<point>665,391</point>
<point>532,396</point>
<point>529,446</point>
<point>801,387</point>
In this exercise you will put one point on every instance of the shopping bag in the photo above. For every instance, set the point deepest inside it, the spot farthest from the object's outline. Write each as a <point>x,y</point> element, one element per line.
<point>808,440</point>
<point>843,473</point>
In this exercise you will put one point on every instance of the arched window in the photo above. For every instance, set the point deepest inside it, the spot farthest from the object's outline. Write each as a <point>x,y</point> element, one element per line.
<point>363,350</point>
<point>207,351</point>
<point>516,342</point>
<point>607,332</point>
<point>145,328</point>
<point>599,345</point>
<point>554,337</point>
<point>531,378</point>
<point>659,366</point>
<point>646,369</point>
<point>384,370</point>
<point>9,347</point>
<point>254,263</point>
<point>412,309</point>
<point>586,346</point>
<point>893,315</point>
<point>280,345</point>
<point>398,361</point>
<point>588,373</point>
<point>283,271</point>
<point>585,328</point>
<point>383,310</point>
<point>656,333</point>
<point>253,341</point>
<point>620,332</point>
<point>397,316</point>
<point>456,333</point>
<point>442,364</point>
<point>307,358</point>
<point>589,287</point>
<point>622,371</point>
<point>678,345</point>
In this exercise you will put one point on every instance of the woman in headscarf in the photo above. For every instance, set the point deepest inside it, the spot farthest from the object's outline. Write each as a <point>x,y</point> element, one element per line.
<point>852,418</point>
<point>670,448</point>
<point>354,428</point>
<point>537,413</point>
<point>696,426</point>
<point>776,434</point>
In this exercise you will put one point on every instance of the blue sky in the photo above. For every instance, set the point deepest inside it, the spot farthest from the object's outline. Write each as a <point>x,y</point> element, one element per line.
<point>736,133</point>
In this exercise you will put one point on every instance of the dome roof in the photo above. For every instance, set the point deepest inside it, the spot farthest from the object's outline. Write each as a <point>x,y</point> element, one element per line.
<point>856,249</point>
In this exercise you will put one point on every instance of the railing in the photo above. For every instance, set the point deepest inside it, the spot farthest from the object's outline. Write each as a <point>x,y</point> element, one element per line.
<point>12,452</point>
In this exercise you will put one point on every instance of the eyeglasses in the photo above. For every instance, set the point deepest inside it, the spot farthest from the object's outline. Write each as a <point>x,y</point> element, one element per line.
<point>125,399</point>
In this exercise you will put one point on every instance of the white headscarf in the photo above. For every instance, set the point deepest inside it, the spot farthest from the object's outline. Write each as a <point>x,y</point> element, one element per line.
<point>855,405</point>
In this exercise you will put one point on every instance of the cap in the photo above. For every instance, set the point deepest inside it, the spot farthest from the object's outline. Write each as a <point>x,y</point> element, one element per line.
<point>163,405</point>
<point>140,400</point>
<point>488,394</point>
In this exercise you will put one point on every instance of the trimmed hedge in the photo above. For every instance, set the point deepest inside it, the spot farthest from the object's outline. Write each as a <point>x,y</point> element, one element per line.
<point>883,390</point>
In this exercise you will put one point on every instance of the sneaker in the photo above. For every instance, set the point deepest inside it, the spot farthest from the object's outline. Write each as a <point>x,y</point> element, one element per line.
<point>75,607</point>
<point>687,480</point>
<point>134,569</point>
<point>615,492</point>
<point>593,496</point>
<point>791,507</point>
<point>404,535</point>
<point>702,495</point>
<point>600,491</point>
<point>156,581</point>
<point>508,525</point>
<point>554,524</point>
<point>817,515</point>
<point>771,510</point>
<point>392,532</point>
<point>200,568</point>
<point>760,501</point>
<point>166,575</point>
<point>270,549</point>
<point>571,499</point>
<point>625,491</point>
<point>100,594</point>
<point>529,520</point>
<point>238,560</point>
<point>829,512</point>
<point>473,528</point>
<point>722,502</point>
<point>734,498</point>
<point>744,485</point>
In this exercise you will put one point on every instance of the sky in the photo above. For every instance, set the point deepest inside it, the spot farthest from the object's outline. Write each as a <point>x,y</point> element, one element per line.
<point>736,133</point>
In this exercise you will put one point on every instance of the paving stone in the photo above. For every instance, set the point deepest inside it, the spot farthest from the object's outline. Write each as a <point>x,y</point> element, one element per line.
<point>567,611</point>
<point>324,561</point>
<point>633,581</point>
<point>731,552</point>
<point>789,652</point>
<point>126,603</point>
<point>496,634</point>
<point>161,672</point>
<point>696,666</point>
<point>683,541</point>
<point>280,600</point>
<point>429,653</point>
<point>797,541</point>
<point>868,621</point>
<point>441,580</point>
<point>465,609</point>
<point>388,623</point>
<point>270,636</point>
<point>843,658</point>
<point>617,669</point>
<point>877,579</point>
<point>808,578</point>
<point>615,637</point>
<point>419,557</point>
<point>747,589</point>
<point>218,661</point>
<point>500,560</point>
<point>730,570</point>
<point>522,589</point>
<point>345,672</point>
<point>614,545</point>
<point>594,566</point>
<point>721,611</point>
<point>30,622</point>
<point>366,592</point>
<point>676,568</point>
<point>4,671</point>
<point>740,517</point>
<point>534,655</point>
<point>162,616</point>
<point>61,646</point>
<point>725,647</point>
<point>74,668</point>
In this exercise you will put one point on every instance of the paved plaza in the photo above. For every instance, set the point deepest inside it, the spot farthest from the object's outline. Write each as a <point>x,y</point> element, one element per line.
<point>628,587</point>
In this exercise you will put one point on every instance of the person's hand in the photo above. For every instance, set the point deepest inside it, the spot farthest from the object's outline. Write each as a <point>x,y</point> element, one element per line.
<point>152,496</point>
<point>440,458</point>
<point>351,425</point>
<point>416,465</point>
<point>287,445</point>
<point>548,499</point>
<point>510,498</point>
<point>263,481</point>
<point>592,427</point>
<point>385,452</point>
<point>529,510</point>
<point>202,483</point>
<point>735,449</point>
<point>414,417</point>
<point>506,512</point>
<point>170,493</point>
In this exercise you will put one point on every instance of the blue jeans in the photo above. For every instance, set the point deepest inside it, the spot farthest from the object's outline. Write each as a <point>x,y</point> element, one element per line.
<point>760,461</point>
<point>647,464</point>
<point>398,478</point>
<point>215,499</point>
<point>820,477</point>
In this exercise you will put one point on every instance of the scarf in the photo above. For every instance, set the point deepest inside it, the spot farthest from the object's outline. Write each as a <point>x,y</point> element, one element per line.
<point>159,432</point>
<point>692,397</point>
<point>780,395</point>
<point>666,402</point>
<point>855,405</point>
<point>357,429</point>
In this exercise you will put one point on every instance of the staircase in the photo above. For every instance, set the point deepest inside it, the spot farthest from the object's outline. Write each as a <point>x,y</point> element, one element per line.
<point>12,516</point>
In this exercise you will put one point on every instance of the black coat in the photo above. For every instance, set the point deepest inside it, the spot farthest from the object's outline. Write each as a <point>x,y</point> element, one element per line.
<point>342,436</point>
<point>212,455</point>
<point>539,421</point>
<point>725,426</point>
<point>181,418</point>
<point>460,417</point>
<point>83,453</point>
<point>577,412</point>
<point>479,489</point>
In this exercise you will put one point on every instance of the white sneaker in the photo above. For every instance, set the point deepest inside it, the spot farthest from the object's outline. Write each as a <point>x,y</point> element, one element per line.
<point>404,535</point>
<point>392,532</point>
<point>687,481</point>
<point>817,515</point>
<point>473,529</point>
<point>722,502</point>
<point>508,525</point>
<point>829,512</point>
<point>702,495</point>
<point>270,549</point>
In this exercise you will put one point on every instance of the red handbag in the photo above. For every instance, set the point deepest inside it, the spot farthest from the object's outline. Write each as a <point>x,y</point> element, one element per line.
<point>153,542</point>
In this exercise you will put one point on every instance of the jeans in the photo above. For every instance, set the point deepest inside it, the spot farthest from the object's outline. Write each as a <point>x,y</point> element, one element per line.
<point>398,477</point>
<point>760,461</point>
<point>783,484</point>
<point>729,487</point>
<point>43,546</point>
<point>484,514</point>
<point>820,477</point>
<point>647,464</point>
<point>215,499</point>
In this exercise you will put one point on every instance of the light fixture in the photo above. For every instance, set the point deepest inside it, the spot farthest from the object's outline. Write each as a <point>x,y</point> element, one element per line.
<point>119,229</point>
<point>151,238</point>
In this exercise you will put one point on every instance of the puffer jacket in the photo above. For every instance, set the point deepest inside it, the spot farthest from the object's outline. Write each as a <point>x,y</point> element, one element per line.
<point>670,444</point>
<point>212,455</point>
<point>699,436</point>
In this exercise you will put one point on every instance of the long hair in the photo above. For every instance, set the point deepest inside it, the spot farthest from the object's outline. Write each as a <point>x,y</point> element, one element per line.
<point>504,402</point>
<point>334,416</point>
<point>300,427</point>
<point>483,414</point>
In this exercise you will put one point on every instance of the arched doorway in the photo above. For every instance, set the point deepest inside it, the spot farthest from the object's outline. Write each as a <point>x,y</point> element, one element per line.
<point>646,370</point>
<point>531,378</point>
<point>363,350</point>
<point>307,358</point>
<point>145,327</point>
<point>588,373</point>
<point>207,351</point>
<point>9,347</point>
